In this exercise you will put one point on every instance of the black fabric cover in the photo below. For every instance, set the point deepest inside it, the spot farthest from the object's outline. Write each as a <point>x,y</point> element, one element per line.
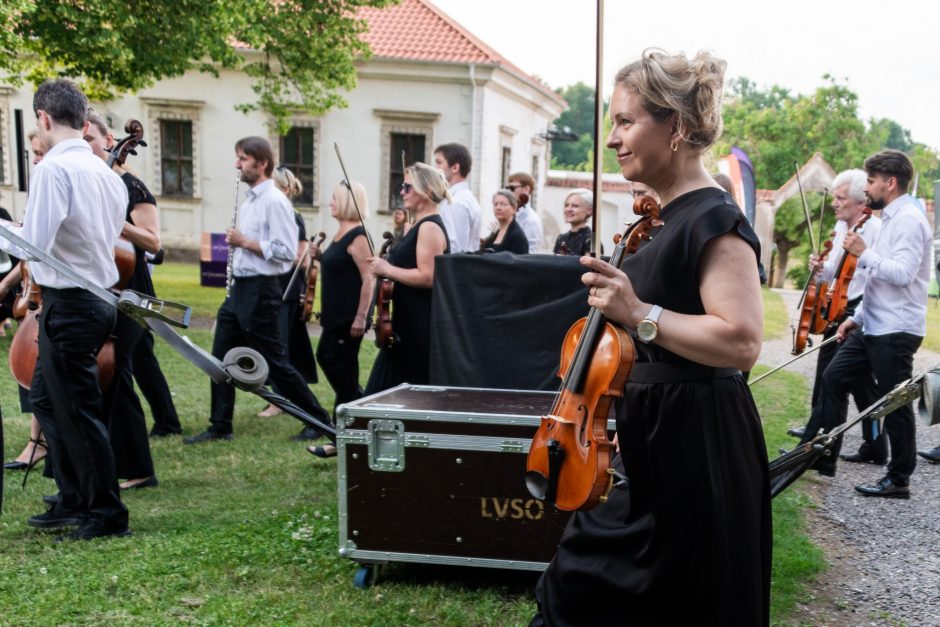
<point>499,320</point>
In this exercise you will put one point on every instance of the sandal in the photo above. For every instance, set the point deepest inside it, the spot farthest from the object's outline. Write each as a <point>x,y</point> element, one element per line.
<point>32,459</point>
<point>323,452</point>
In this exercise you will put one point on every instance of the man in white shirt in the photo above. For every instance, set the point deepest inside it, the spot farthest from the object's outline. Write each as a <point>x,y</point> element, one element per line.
<point>521,184</point>
<point>75,212</point>
<point>848,204</point>
<point>462,216</point>
<point>265,242</point>
<point>888,326</point>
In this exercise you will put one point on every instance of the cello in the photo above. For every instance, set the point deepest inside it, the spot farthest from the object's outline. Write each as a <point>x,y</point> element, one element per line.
<point>568,463</point>
<point>24,349</point>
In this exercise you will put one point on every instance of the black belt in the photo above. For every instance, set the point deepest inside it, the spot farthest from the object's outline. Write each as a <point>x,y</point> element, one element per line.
<point>661,372</point>
<point>255,277</point>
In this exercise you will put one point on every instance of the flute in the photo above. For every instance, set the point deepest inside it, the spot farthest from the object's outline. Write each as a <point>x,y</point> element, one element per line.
<point>231,249</point>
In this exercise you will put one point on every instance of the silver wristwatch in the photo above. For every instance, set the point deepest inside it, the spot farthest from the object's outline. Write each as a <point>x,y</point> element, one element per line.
<point>648,328</point>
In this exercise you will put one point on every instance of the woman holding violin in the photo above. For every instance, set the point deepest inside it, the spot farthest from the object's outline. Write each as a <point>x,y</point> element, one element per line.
<point>508,235</point>
<point>292,320</point>
<point>345,297</point>
<point>689,539</point>
<point>127,424</point>
<point>411,266</point>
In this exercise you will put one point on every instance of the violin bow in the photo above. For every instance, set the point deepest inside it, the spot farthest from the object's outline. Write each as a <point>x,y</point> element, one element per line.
<point>809,220</point>
<point>598,132</point>
<point>410,218</point>
<point>787,363</point>
<point>822,212</point>
<point>352,194</point>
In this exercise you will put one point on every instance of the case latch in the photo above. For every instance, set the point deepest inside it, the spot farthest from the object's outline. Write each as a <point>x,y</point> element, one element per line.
<point>387,445</point>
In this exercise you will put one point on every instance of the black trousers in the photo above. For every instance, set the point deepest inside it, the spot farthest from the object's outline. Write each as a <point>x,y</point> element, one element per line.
<point>890,358</point>
<point>249,317</point>
<point>338,356</point>
<point>154,387</point>
<point>126,421</point>
<point>67,402</point>
<point>862,389</point>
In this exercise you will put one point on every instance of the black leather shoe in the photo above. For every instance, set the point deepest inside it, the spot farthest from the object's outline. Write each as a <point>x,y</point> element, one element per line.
<point>307,433</point>
<point>15,465</point>
<point>861,458</point>
<point>55,518</point>
<point>91,529</point>
<point>932,456</point>
<point>51,499</point>
<point>207,436</point>
<point>797,432</point>
<point>886,488</point>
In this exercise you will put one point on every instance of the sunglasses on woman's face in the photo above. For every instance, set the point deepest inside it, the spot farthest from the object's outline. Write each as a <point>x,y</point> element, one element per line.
<point>406,187</point>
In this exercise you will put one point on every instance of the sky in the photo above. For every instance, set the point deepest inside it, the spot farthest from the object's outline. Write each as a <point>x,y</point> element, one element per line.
<point>888,53</point>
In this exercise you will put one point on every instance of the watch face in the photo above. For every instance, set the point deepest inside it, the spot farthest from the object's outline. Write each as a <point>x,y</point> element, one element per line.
<point>646,330</point>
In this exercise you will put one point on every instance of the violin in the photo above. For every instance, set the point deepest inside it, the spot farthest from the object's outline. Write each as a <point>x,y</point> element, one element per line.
<point>837,296</point>
<point>311,281</point>
<point>809,307</point>
<point>384,287</point>
<point>568,463</point>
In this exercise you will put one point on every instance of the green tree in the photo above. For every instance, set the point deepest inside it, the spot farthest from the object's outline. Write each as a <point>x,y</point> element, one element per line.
<point>777,128</point>
<point>579,119</point>
<point>300,53</point>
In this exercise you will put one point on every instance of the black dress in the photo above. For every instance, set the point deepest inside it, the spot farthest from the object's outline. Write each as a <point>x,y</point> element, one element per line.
<point>337,350</point>
<point>689,542</point>
<point>514,240</point>
<point>127,424</point>
<point>409,360</point>
<point>293,328</point>
<point>578,242</point>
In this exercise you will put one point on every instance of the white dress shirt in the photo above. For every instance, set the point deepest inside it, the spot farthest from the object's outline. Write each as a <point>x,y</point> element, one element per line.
<point>268,217</point>
<point>898,268</point>
<point>75,212</point>
<point>462,218</point>
<point>531,224</point>
<point>869,233</point>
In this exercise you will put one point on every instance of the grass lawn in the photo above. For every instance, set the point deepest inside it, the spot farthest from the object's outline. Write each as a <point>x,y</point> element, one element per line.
<point>245,532</point>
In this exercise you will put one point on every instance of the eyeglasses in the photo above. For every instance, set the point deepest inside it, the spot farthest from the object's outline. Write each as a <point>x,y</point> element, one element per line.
<point>513,186</point>
<point>406,188</point>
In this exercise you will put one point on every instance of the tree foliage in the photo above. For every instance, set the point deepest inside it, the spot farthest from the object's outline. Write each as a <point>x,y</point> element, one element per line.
<point>299,53</point>
<point>777,128</point>
<point>579,119</point>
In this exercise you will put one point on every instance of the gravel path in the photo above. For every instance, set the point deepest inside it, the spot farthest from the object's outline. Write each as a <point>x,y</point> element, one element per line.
<point>884,554</point>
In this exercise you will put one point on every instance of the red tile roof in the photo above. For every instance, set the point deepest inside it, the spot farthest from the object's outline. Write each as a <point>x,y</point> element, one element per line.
<point>416,30</point>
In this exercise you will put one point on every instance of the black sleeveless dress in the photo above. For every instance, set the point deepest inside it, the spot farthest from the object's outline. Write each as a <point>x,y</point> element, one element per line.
<point>689,542</point>
<point>409,360</point>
